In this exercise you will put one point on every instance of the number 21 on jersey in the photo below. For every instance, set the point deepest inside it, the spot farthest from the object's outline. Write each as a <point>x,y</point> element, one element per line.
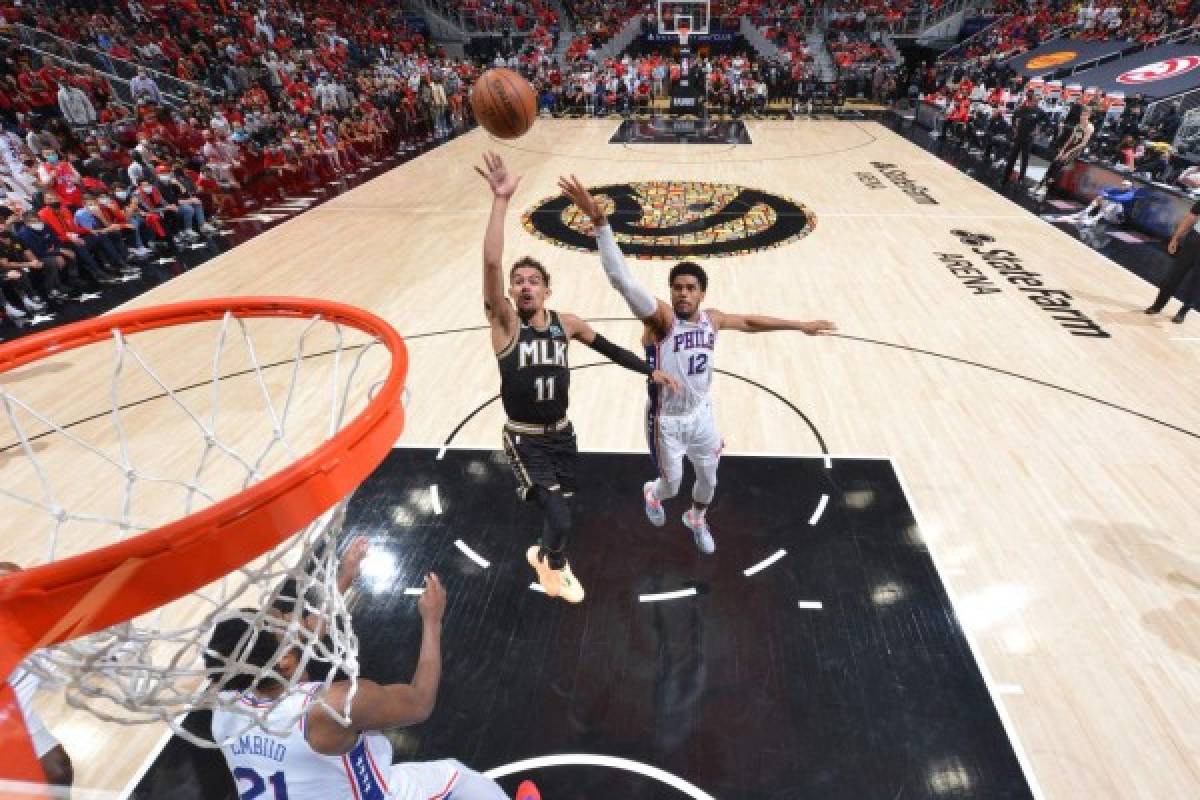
<point>257,786</point>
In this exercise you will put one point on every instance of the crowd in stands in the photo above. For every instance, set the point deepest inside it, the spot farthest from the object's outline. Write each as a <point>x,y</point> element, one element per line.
<point>978,91</point>
<point>857,50</point>
<point>978,103</point>
<point>732,83</point>
<point>867,15</point>
<point>598,21</point>
<point>1024,24</point>
<point>786,25</point>
<point>291,98</point>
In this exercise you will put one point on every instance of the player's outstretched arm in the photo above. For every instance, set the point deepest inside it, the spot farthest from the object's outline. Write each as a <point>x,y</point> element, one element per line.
<point>644,305</point>
<point>503,184</point>
<point>579,329</point>
<point>756,323</point>
<point>377,707</point>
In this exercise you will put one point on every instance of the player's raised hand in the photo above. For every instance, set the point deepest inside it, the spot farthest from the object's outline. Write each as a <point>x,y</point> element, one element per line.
<point>432,604</point>
<point>665,379</point>
<point>502,182</point>
<point>351,563</point>
<point>582,198</point>
<point>818,327</point>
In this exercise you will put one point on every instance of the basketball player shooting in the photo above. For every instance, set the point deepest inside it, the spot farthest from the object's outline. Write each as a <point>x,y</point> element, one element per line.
<point>530,343</point>
<point>680,339</point>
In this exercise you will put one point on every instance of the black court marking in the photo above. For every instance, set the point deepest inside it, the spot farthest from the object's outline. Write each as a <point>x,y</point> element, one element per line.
<point>813,428</point>
<point>476,328</point>
<point>735,689</point>
<point>1019,376</point>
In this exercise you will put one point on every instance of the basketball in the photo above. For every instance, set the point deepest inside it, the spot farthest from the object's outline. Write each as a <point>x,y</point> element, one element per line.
<point>504,103</point>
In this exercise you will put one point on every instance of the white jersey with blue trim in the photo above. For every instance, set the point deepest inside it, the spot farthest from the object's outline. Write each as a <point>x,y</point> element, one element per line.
<point>277,767</point>
<point>687,352</point>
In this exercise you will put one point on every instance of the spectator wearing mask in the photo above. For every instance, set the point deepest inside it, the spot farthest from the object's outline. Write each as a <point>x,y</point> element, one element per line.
<point>148,228</point>
<point>16,264</point>
<point>151,201</point>
<point>76,108</point>
<point>60,177</point>
<point>91,217</point>
<point>190,207</point>
<point>82,241</point>
<point>44,243</point>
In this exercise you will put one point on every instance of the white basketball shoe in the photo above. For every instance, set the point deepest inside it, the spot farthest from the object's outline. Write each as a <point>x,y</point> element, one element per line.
<point>654,506</point>
<point>698,525</point>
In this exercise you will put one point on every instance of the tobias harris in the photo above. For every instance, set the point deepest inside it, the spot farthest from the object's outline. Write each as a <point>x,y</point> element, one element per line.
<point>681,340</point>
<point>530,343</point>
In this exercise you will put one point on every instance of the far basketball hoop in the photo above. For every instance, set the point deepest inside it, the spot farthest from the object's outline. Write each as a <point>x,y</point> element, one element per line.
<point>683,18</point>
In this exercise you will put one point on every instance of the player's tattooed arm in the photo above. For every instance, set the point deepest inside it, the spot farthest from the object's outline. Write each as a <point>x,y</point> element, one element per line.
<point>757,323</point>
<point>579,329</point>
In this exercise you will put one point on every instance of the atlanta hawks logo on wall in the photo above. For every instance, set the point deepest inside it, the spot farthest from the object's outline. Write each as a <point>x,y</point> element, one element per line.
<point>672,219</point>
<point>1159,70</point>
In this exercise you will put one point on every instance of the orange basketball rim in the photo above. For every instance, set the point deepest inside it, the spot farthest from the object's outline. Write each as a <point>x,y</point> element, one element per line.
<point>59,601</point>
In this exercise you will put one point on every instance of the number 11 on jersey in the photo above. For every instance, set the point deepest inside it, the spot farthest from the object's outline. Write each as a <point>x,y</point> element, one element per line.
<point>545,389</point>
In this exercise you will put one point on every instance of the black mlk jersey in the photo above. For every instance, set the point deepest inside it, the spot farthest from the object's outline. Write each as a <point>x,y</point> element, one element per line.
<point>534,376</point>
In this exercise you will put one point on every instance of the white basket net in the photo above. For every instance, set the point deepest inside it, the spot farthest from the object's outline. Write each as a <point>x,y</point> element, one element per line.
<point>174,439</point>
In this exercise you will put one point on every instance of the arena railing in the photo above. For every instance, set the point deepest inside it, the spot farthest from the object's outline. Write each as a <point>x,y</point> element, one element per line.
<point>122,69</point>
<point>950,55</point>
<point>120,85</point>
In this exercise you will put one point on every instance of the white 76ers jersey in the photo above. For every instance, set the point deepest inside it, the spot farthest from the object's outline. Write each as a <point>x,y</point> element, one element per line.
<point>687,353</point>
<point>287,768</point>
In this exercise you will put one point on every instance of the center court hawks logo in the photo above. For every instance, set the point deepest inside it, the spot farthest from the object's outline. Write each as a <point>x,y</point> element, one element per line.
<point>674,219</point>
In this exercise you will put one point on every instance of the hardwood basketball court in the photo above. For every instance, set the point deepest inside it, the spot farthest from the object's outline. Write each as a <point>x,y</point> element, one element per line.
<point>1045,432</point>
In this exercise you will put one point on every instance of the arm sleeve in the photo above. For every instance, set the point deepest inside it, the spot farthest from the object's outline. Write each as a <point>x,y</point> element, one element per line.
<point>619,355</point>
<point>641,302</point>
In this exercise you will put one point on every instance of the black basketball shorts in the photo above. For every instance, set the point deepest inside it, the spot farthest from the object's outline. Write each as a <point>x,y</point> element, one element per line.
<point>542,459</point>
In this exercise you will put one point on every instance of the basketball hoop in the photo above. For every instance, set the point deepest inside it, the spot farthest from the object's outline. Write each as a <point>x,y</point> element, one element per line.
<point>89,615</point>
<point>683,30</point>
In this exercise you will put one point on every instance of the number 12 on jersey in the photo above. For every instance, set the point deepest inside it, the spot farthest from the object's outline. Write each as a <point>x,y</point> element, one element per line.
<point>697,364</point>
<point>545,389</point>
